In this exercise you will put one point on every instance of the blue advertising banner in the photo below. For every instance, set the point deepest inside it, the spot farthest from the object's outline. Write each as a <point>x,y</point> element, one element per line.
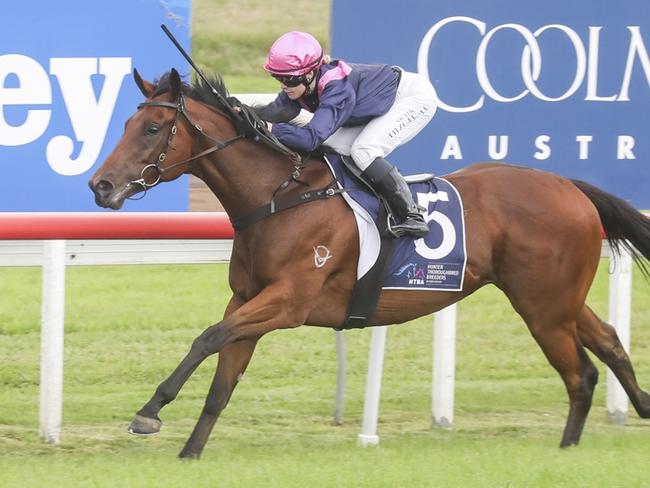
<point>66,89</point>
<point>561,86</point>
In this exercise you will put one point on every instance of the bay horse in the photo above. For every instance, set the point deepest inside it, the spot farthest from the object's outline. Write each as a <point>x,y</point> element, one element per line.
<point>535,235</point>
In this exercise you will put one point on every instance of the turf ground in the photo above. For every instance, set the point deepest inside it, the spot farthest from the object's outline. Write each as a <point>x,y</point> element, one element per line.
<point>127,327</point>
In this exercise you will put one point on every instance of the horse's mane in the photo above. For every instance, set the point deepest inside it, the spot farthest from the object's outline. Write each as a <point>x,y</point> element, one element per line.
<point>198,89</point>
<point>202,91</point>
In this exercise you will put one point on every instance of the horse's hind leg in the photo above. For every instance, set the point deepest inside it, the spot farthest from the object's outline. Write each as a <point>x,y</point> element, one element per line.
<point>600,338</point>
<point>233,360</point>
<point>565,353</point>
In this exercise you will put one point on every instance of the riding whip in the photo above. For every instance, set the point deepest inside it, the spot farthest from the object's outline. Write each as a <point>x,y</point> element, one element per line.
<point>236,115</point>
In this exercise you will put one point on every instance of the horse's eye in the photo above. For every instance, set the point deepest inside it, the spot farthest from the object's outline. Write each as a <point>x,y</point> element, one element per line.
<point>153,129</point>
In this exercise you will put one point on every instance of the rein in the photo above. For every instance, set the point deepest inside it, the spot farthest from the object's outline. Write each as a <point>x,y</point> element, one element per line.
<point>180,110</point>
<point>274,206</point>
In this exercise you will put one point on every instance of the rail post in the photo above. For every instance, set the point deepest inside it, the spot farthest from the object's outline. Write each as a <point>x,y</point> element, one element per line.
<point>52,313</point>
<point>368,434</point>
<point>620,312</point>
<point>444,367</point>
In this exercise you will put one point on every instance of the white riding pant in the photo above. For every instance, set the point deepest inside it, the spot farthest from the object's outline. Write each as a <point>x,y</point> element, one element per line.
<point>414,107</point>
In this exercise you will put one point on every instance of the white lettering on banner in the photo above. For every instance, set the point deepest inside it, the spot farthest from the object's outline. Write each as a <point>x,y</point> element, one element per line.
<point>452,147</point>
<point>500,152</point>
<point>89,115</point>
<point>586,64</point>
<point>531,78</point>
<point>637,48</point>
<point>33,89</point>
<point>541,143</point>
<point>423,59</point>
<point>625,145</point>
<point>583,142</point>
<point>448,232</point>
<point>592,68</point>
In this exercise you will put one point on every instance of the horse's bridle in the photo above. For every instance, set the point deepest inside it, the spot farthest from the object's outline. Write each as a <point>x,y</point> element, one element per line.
<point>274,206</point>
<point>179,106</point>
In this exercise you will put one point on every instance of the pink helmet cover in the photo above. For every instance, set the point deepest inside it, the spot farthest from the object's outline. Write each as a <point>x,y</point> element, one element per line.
<point>294,53</point>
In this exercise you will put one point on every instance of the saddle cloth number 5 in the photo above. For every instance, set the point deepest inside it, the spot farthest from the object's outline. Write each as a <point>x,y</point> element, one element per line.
<point>448,231</point>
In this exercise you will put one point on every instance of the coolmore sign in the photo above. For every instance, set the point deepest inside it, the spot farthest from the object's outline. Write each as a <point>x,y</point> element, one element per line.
<point>66,90</point>
<point>561,86</point>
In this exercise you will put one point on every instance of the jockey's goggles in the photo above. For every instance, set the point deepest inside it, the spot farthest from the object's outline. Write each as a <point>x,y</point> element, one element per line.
<point>291,81</point>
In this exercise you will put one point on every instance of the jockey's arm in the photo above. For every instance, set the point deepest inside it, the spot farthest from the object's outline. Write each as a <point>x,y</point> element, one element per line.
<point>282,109</point>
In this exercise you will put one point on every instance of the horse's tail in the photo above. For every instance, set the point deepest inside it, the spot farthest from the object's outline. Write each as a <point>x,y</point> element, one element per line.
<point>624,225</point>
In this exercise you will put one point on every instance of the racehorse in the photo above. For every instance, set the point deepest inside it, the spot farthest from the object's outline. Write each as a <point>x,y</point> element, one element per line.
<point>535,235</point>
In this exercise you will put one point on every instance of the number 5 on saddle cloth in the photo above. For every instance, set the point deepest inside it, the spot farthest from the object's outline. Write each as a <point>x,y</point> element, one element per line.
<point>435,262</point>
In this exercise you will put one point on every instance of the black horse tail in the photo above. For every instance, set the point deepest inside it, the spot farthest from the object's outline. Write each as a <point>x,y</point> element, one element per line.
<point>624,225</point>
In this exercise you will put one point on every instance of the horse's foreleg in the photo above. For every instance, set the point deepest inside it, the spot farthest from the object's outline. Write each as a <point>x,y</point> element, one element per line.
<point>600,338</point>
<point>233,360</point>
<point>146,421</point>
<point>275,307</point>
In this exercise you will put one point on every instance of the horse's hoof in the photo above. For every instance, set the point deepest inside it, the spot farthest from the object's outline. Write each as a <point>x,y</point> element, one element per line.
<point>144,426</point>
<point>189,456</point>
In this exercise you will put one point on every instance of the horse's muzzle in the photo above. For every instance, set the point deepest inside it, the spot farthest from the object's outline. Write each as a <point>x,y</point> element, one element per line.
<point>105,195</point>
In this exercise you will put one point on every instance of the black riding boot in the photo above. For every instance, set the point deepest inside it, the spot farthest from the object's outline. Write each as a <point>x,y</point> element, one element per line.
<point>389,183</point>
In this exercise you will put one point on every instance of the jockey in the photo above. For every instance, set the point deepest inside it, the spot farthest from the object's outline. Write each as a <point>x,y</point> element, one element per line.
<point>360,110</point>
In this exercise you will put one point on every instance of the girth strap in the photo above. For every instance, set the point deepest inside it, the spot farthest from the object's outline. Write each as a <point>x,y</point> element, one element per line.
<point>278,205</point>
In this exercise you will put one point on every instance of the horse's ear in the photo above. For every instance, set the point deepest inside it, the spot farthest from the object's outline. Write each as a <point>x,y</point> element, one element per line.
<point>175,83</point>
<point>146,87</point>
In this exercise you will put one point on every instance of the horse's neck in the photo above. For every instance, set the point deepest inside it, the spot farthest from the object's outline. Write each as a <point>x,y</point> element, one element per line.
<point>244,177</point>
